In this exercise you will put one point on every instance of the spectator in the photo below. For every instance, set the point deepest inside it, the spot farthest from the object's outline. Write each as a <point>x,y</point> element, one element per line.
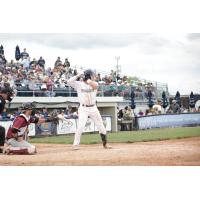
<point>69,73</point>
<point>62,83</point>
<point>33,62</point>
<point>45,92</point>
<point>149,111</point>
<point>62,116</point>
<point>127,113</point>
<point>66,63</point>
<point>18,112</point>
<point>157,108</point>
<point>26,63</point>
<point>49,84</point>
<point>54,113</point>
<point>71,112</point>
<point>41,62</point>
<point>141,113</point>
<point>24,54</point>
<point>75,72</point>
<point>75,114</point>
<point>98,78</point>
<point>58,62</point>
<point>49,72</point>
<point>113,75</point>
<point>3,62</point>
<point>38,126</point>
<point>184,110</point>
<point>175,107</point>
<point>44,113</point>
<point>12,64</point>
<point>127,116</point>
<point>120,116</point>
<point>21,71</point>
<point>5,115</point>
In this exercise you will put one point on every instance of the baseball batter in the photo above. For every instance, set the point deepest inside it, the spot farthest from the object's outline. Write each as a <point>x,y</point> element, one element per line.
<point>87,90</point>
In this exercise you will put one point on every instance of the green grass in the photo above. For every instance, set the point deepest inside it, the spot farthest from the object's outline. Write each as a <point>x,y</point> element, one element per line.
<point>125,137</point>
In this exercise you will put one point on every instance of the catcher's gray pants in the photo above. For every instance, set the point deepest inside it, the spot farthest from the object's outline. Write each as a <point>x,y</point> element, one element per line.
<point>19,145</point>
<point>84,113</point>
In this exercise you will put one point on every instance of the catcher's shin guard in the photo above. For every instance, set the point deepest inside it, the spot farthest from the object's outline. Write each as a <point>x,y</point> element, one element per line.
<point>2,135</point>
<point>19,150</point>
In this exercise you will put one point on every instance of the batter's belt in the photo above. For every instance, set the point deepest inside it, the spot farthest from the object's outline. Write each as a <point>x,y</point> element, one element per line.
<point>92,105</point>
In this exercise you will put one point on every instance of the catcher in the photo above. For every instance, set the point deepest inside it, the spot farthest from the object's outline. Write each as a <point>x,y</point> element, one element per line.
<point>16,140</point>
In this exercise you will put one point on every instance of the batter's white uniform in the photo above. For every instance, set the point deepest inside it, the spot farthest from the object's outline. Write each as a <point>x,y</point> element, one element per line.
<point>88,108</point>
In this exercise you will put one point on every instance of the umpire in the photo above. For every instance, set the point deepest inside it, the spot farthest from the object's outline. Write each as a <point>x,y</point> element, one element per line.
<point>6,93</point>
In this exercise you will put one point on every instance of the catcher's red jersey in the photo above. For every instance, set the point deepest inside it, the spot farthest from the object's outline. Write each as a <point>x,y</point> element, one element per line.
<point>20,123</point>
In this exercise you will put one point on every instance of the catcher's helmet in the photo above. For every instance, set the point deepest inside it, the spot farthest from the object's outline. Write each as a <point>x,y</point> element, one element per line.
<point>88,74</point>
<point>28,106</point>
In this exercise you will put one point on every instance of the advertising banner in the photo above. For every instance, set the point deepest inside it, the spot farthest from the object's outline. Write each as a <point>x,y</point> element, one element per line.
<point>168,120</point>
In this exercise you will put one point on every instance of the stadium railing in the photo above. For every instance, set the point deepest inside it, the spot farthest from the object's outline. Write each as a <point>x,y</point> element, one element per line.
<point>103,91</point>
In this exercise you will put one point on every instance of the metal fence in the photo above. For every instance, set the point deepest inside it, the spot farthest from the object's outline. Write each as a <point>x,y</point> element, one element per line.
<point>103,91</point>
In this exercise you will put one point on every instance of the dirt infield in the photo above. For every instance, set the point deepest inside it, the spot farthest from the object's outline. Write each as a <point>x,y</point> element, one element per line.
<point>169,152</point>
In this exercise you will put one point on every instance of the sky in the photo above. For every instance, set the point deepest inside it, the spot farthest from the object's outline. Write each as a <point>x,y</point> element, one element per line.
<point>166,58</point>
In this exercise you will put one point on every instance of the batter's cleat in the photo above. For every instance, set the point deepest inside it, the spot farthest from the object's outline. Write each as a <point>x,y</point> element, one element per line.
<point>75,147</point>
<point>107,146</point>
<point>1,150</point>
<point>104,140</point>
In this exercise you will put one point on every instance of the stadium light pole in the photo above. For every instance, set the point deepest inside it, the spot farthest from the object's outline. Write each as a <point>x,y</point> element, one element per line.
<point>117,66</point>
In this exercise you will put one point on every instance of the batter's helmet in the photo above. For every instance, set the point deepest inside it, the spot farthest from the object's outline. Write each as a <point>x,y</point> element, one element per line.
<point>88,74</point>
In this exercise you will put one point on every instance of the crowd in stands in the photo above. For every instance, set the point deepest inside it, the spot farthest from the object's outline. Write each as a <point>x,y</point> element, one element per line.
<point>68,113</point>
<point>31,77</point>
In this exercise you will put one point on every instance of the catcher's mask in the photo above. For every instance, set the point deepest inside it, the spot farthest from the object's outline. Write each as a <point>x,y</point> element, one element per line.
<point>9,91</point>
<point>88,74</point>
<point>28,106</point>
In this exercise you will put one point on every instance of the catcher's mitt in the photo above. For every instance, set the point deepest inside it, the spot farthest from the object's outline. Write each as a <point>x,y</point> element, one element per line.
<point>53,117</point>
